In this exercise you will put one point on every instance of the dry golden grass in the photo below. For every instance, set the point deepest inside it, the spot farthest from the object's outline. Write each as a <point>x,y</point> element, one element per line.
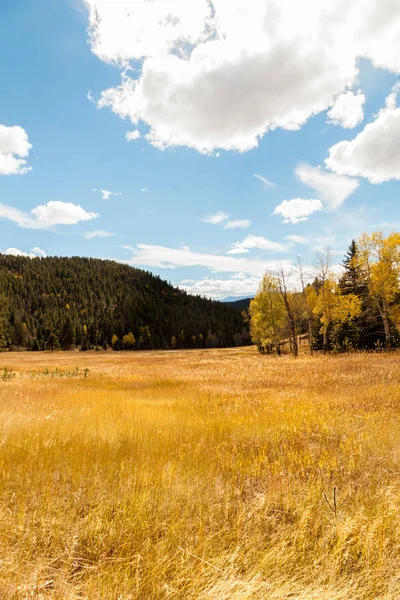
<point>199,475</point>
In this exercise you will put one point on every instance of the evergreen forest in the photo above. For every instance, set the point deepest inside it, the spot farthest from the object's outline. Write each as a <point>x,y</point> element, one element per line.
<point>64,303</point>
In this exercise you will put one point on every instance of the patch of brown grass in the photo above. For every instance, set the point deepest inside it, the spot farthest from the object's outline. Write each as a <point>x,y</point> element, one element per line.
<point>199,475</point>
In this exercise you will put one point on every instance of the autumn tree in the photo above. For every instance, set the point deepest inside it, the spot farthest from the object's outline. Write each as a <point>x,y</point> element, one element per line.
<point>379,261</point>
<point>268,315</point>
<point>129,341</point>
<point>290,308</point>
<point>334,308</point>
<point>308,295</point>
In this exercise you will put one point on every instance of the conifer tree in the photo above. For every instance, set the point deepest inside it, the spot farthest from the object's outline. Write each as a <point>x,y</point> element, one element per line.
<point>52,342</point>
<point>67,337</point>
<point>3,312</point>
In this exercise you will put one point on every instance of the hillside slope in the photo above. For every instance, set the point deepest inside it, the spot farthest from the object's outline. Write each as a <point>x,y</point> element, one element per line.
<point>89,302</point>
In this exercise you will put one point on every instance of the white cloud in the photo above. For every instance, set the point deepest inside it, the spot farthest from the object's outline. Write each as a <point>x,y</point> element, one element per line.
<point>347,110</point>
<point>298,209</point>
<point>130,136</point>
<point>46,215</point>
<point>292,60</point>
<point>90,97</point>
<point>244,285</point>
<point>297,239</point>
<point>56,212</point>
<point>219,217</point>
<point>261,243</point>
<point>238,224</point>
<point>247,272</point>
<point>134,29</point>
<point>144,190</point>
<point>266,182</point>
<point>315,241</point>
<point>373,153</point>
<point>332,189</point>
<point>238,285</point>
<point>14,143</point>
<point>162,257</point>
<point>20,217</point>
<point>106,194</point>
<point>34,253</point>
<point>99,233</point>
<point>39,252</point>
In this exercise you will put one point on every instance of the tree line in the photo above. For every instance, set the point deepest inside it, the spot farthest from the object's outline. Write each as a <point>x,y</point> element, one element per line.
<point>356,309</point>
<point>51,303</point>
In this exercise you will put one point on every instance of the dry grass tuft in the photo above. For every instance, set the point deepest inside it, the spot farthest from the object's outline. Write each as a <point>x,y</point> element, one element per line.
<point>199,475</point>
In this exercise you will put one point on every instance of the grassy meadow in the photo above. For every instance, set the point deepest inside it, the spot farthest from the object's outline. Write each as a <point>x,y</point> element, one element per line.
<point>217,474</point>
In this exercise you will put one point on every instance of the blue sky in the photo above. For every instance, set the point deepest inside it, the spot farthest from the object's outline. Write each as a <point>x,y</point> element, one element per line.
<point>222,96</point>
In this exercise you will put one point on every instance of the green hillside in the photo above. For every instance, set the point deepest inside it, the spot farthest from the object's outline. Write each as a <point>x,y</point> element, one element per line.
<point>86,303</point>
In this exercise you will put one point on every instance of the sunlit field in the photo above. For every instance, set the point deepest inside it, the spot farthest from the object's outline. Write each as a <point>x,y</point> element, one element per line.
<point>216,474</point>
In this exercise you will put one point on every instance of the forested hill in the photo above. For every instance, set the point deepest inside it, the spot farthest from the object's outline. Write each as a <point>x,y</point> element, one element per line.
<point>242,303</point>
<point>85,302</point>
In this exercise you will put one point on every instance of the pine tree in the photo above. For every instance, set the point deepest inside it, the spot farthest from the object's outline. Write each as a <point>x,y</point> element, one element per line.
<point>67,338</point>
<point>52,342</point>
<point>351,280</point>
<point>350,334</point>
<point>3,312</point>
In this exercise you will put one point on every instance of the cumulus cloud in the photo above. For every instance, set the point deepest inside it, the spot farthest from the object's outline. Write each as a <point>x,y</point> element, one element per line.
<point>39,252</point>
<point>298,209</point>
<point>256,242</point>
<point>45,216</point>
<point>56,212</point>
<point>238,224</point>
<point>332,189</point>
<point>238,285</point>
<point>292,59</point>
<point>34,253</point>
<point>106,194</point>
<point>134,29</point>
<point>14,143</point>
<point>130,136</point>
<point>347,110</point>
<point>265,181</point>
<point>242,284</point>
<point>373,153</point>
<point>99,233</point>
<point>162,257</point>
<point>219,217</point>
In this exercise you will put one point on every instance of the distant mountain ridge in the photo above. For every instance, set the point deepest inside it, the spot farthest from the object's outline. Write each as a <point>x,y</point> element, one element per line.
<point>232,299</point>
<point>240,302</point>
<point>86,302</point>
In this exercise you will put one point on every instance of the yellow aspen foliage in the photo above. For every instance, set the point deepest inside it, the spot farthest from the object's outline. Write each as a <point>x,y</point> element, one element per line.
<point>129,340</point>
<point>379,261</point>
<point>268,316</point>
<point>332,307</point>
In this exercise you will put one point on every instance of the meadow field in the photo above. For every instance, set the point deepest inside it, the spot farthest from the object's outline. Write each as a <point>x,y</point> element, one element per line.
<point>218,474</point>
